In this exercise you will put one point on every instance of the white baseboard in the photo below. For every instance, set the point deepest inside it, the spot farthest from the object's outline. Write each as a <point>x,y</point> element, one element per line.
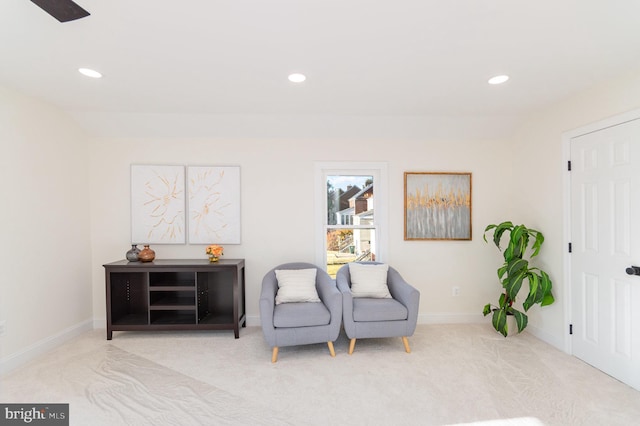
<point>254,320</point>
<point>546,337</point>
<point>451,319</point>
<point>480,319</point>
<point>38,348</point>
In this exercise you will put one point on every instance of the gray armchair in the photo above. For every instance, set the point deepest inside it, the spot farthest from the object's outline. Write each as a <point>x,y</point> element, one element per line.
<point>300,323</point>
<point>366,317</point>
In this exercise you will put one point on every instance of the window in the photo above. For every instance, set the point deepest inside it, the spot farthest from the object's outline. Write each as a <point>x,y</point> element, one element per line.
<point>351,213</point>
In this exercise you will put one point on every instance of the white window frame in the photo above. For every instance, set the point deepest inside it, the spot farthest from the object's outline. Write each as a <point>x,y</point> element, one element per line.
<point>378,170</point>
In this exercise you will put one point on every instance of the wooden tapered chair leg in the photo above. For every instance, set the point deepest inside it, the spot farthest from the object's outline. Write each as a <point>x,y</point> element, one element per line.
<point>274,354</point>
<point>352,345</point>
<point>331,350</point>
<point>406,344</point>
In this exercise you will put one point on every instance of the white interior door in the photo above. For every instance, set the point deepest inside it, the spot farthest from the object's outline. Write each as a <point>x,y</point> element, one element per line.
<point>605,233</point>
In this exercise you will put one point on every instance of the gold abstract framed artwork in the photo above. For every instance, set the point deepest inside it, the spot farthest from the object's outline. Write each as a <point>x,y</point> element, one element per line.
<point>213,204</point>
<point>157,204</point>
<point>437,206</point>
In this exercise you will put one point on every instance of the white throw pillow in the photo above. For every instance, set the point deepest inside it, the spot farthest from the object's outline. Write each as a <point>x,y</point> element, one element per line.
<point>296,285</point>
<point>369,280</point>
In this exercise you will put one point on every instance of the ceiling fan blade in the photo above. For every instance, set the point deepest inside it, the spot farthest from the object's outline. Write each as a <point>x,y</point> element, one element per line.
<point>62,10</point>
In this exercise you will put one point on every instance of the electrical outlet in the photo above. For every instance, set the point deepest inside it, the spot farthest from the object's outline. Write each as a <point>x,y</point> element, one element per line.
<point>3,327</point>
<point>455,291</point>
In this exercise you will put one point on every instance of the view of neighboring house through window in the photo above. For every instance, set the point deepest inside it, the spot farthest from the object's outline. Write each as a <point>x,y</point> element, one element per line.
<point>351,213</point>
<point>350,225</point>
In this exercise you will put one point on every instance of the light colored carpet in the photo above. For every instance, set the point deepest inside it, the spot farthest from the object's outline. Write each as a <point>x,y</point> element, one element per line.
<point>456,374</point>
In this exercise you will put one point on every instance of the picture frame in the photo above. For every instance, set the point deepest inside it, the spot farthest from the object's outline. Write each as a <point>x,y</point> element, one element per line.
<point>157,204</point>
<point>437,206</point>
<point>213,204</point>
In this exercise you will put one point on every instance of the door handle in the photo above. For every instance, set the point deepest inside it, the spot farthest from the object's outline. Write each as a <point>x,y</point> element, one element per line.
<point>633,270</point>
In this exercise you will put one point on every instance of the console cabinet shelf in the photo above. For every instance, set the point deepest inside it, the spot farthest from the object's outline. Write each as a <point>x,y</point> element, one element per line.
<point>175,295</point>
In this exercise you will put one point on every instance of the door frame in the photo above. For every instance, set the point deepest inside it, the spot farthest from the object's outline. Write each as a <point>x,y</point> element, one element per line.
<point>566,225</point>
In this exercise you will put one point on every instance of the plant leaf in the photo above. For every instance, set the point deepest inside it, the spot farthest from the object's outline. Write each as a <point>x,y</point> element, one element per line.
<point>521,319</point>
<point>513,283</point>
<point>499,230</point>
<point>502,270</point>
<point>547,299</point>
<point>535,291</point>
<point>546,285</point>
<point>502,301</point>
<point>499,321</point>
<point>487,309</point>
<point>516,273</point>
<point>519,240</point>
<point>538,243</point>
<point>488,228</point>
<point>509,252</point>
<point>517,265</point>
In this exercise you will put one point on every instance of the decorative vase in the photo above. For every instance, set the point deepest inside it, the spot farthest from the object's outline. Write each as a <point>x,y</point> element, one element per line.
<point>512,325</point>
<point>132,255</point>
<point>213,258</point>
<point>146,254</point>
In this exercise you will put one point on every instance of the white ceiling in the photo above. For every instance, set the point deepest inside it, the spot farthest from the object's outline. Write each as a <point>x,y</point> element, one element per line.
<point>361,57</point>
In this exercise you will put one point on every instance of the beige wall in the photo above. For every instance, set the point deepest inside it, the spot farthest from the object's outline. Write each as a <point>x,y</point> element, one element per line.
<point>45,255</point>
<point>277,183</point>
<point>538,193</point>
<point>66,201</point>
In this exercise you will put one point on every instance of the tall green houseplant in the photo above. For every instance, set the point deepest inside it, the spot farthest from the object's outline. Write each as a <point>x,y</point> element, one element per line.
<point>514,272</point>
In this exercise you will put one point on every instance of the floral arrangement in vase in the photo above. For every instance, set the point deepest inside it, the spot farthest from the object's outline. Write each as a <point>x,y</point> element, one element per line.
<point>214,251</point>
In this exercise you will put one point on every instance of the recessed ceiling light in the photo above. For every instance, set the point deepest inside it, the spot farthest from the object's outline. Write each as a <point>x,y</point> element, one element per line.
<point>297,78</point>
<point>498,79</point>
<point>89,72</point>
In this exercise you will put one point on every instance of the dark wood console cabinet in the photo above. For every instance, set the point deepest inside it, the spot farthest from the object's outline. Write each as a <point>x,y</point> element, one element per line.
<point>175,295</point>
